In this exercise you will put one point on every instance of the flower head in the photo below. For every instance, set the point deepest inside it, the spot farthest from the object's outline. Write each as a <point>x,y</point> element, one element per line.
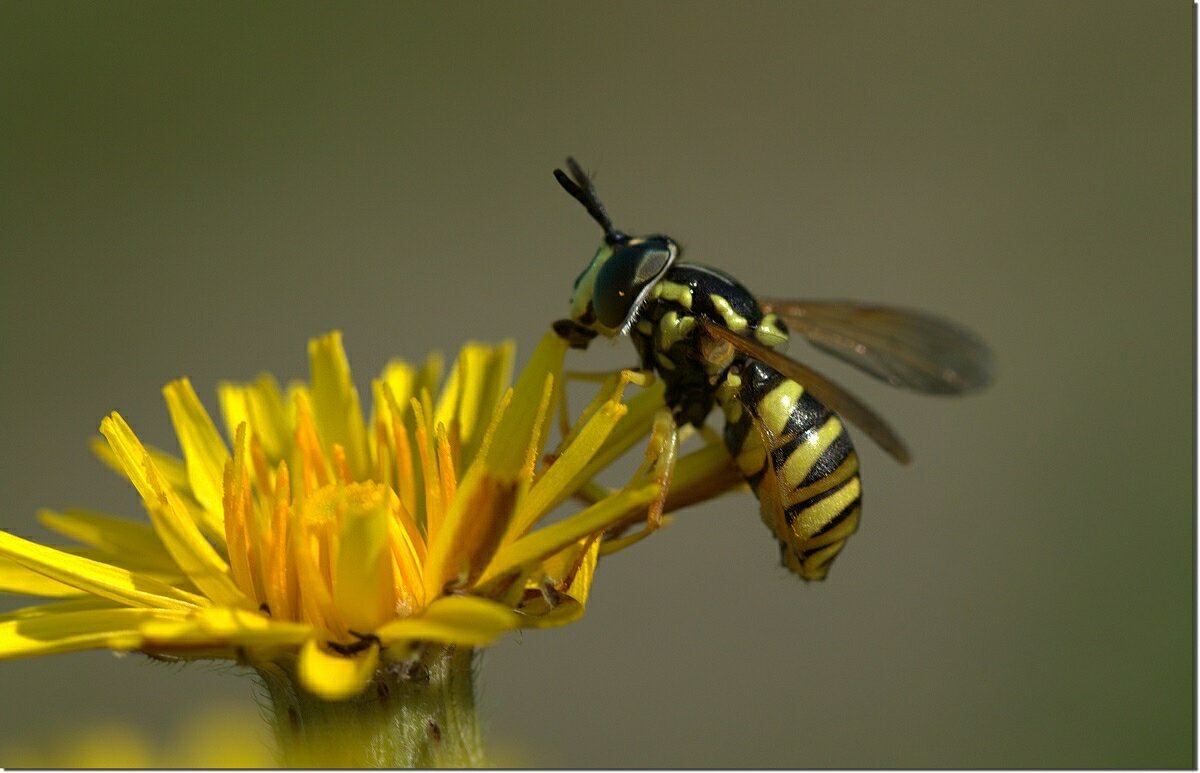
<point>329,541</point>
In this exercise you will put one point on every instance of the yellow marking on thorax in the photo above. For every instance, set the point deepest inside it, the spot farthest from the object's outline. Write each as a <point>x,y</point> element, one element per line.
<point>728,390</point>
<point>672,328</point>
<point>645,326</point>
<point>734,321</point>
<point>664,361</point>
<point>769,333</point>
<point>810,520</point>
<point>775,407</point>
<point>673,291</point>
<point>801,462</point>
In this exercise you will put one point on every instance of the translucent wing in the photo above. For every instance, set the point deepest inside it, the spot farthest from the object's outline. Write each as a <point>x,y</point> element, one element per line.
<point>833,396</point>
<point>905,348</point>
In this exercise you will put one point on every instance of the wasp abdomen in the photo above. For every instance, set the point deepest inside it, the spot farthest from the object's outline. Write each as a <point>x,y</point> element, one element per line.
<point>799,460</point>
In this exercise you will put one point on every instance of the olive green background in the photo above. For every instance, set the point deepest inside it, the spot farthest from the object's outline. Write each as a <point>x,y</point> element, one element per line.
<point>197,189</point>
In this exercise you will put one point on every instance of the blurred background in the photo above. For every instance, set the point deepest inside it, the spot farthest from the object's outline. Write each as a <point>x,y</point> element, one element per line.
<point>198,189</point>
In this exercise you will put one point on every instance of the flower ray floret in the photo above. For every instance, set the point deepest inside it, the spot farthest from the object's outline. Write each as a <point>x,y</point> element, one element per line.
<point>326,541</point>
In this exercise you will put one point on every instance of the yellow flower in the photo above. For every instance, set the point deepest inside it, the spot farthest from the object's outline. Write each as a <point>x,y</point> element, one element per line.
<point>328,543</point>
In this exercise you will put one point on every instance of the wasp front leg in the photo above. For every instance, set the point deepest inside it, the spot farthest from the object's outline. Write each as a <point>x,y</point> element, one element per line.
<point>642,378</point>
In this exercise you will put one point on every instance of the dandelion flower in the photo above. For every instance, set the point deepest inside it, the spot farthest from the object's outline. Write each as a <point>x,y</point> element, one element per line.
<point>355,562</point>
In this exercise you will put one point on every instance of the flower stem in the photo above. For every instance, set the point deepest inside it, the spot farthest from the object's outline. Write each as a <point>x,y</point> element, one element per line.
<point>418,713</point>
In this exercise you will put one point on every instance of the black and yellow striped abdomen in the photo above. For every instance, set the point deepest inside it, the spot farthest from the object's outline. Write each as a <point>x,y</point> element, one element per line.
<point>808,487</point>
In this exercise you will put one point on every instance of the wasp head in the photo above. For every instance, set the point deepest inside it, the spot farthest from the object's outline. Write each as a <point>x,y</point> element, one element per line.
<point>613,286</point>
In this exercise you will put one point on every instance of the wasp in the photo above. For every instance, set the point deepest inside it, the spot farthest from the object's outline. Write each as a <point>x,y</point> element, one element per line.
<point>715,345</point>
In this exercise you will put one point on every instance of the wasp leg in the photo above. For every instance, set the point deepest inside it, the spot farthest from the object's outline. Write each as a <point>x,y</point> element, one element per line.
<point>659,466</point>
<point>639,376</point>
<point>564,413</point>
<point>592,492</point>
<point>661,454</point>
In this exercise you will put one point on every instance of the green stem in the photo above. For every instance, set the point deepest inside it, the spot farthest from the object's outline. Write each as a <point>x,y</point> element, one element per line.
<point>414,714</point>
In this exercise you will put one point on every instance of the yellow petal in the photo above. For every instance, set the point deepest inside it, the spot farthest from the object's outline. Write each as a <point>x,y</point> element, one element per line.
<point>465,620</point>
<point>316,597</point>
<point>563,477</point>
<point>477,519</point>
<point>72,631</point>
<point>519,428</point>
<point>397,378</point>
<point>408,556</point>
<point>539,614</point>
<point>548,540</point>
<point>261,406</point>
<point>15,578</point>
<point>409,482</point>
<point>335,402</point>
<point>98,578</point>
<point>568,574</point>
<point>430,374</point>
<point>171,466</point>
<point>83,604</point>
<point>219,626</point>
<point>480,376</point>
<point>575,465</point>
<point>281,587</point>
<point>175,526</point>
<point>537,436</point>
<point>472,358</point>
<point>699,476</point>
<point>579,576</point>
<point>238,541</point>
<point>112,535</point>
<point>309,462</point>
<point>203,450</point>
<point>336,677</point>
<point>362,585</point>
<point>392,391</point>
<point>632,427</point>
<point>132,562</point>
<point>433,508</point>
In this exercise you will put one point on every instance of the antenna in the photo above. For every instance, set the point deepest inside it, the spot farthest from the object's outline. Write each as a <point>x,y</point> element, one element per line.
<point>583,191</point>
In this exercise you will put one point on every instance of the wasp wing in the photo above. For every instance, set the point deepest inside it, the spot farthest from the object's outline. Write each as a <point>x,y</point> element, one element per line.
<point>833,396</point>
<point>770,491</point>
<point>906,348</point>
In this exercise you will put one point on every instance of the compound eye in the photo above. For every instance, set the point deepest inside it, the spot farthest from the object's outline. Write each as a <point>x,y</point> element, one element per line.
<point>625,277</point>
